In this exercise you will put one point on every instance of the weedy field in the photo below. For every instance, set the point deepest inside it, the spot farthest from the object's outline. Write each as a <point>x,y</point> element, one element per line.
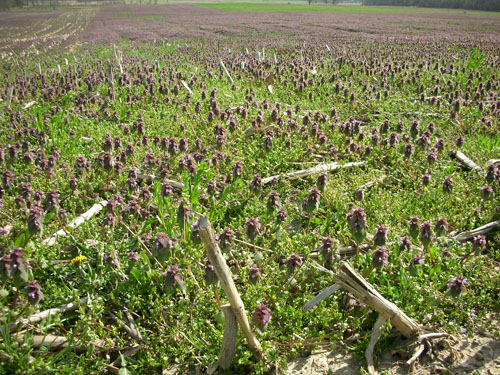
<point>124,126</point>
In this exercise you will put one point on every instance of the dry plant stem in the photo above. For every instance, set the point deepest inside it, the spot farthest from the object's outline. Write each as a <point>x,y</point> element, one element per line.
<point>127,353</point>
<point>187,87</point>
<point>492,162</point>
<point>353,282</point>
<point>325,293</point>
<point>226,279</point>
<point>38,317</point>
<point>252,245</point>
<point>317,169</point>
<point>467,162</point>
<point>217,296</point>
<point>51,342</point>
<point>418,353</point>
<point>377,331</point>
<point>94,210</point>
<point>229,338</point>
<point>465,236</point>
<point>225,71</point>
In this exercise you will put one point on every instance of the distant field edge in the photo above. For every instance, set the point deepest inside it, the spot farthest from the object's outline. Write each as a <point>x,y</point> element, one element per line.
<point>289,8</point>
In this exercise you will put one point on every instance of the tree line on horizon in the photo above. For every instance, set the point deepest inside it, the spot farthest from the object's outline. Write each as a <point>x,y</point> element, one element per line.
<point>490,5</point>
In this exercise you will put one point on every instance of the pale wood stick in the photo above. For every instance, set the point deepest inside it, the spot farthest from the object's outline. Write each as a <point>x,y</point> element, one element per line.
<point>28,105</point>
<point>8,100</point>
<point>492,162</point>
<point>417,354</point>
<point>377,331</point>
<point>128,324</point>
<point>353,282</point>
<point>186,86</point>
<point>325,293</point>
<point>225,71</point>
<point>466,236</point>
<point>229,338</point>
<point>54,342</point>
<point>226,279</point>
<point>94,210</point>
<point>38,317</point>
<point>460,156</point>
<point>151,177</point>
<point>316,169</point>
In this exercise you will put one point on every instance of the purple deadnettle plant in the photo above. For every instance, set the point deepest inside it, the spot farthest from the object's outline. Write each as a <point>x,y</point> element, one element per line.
<point>293,261</point>
<point>34,292</point>
<point>447,185</point>
<point>261,316</point>
<point>226,238</point>
<point>441,226</point>
<point>380,257</point>
<point>380,237</point>
<point>322,181</point>
<point>311,202</point>
<point>174,279</point>
<point>425,235</point>
<point>479,244</point>
<point>357,224</point>
<point>254,274</point>
<point>456,285</point>
<point>252,227</point>
<point>414,224</point>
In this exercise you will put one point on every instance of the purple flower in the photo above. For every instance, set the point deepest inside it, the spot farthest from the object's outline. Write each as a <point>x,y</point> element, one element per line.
<point>359,194</point>
<point>237,170</point>
<point>409,150</point>
<point>17,267</point>
<point>133,256</point>
<point>261,316</point>
<point>210,275</point>
<point>294,261</point>
<point>490,174</point>
<point>327,251</point>
<point>414,224</point>
<point>226,237</point>
<point>322,181</point>
<point>479,244</point>
<point>254,274</point>
<point>252,227</point>
<point>425,234</point>
<point>441,226</point>
<point>162,246</point>
<point>380,257</point>
<point>426,179</point>
<point>380,237</point>
<point>73,183</point>
<point>404,244</point>
<point>273,202</point>
<point>447,185</point>
<point>357,224</point>
<point>486,192</point>
<point>211,187</point>
<point>34,292</point>
<point>35,218</point>
<point>418,259</point>
<point>311,202</point>
<point>52,200</point>
<point>174,279</point>
<point>256,184</point>
<point>281,215</point>
<point>456,285</point>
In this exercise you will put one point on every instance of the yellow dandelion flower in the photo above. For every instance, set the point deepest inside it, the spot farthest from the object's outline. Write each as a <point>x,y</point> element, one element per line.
<point>78,259</point>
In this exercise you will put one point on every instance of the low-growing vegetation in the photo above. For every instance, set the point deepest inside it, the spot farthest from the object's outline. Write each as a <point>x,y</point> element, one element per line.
<point>111,151</point>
